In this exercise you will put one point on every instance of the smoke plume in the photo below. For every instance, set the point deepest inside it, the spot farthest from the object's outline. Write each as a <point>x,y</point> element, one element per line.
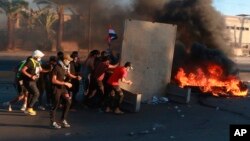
<point>196,20</point>
<point>201,35</point>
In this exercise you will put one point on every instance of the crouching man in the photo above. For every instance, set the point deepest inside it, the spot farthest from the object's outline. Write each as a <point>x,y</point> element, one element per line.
<point>116,94</point>
<point>59,74</point>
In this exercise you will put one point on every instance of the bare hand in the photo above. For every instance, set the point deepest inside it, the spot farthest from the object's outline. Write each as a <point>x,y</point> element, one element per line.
<point>67,84</point>
<point>79,77</point>
<point>34,77</point>
<point>130,83</point>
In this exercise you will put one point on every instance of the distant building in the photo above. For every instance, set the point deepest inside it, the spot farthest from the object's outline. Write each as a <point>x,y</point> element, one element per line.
<point>238,28</point>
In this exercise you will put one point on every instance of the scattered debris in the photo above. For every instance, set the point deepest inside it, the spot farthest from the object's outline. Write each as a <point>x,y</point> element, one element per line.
<point>154,128</point>
<point>132,133</point>
<point>157,126</point>
<point>67,134</point>
<point>156,100</point>
<point>182,116</point>
<point>217,108</point>
<point>172,137</point>
<point>144,132</point>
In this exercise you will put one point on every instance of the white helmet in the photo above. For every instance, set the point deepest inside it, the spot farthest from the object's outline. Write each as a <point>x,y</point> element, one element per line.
<point>38,54</point>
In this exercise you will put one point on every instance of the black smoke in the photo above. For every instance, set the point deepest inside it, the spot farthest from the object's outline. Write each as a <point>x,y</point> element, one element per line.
<point>201,38</point>
<point>197,21</point>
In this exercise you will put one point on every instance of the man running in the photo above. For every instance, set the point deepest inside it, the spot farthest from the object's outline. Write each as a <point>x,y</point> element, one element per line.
<point>31,72</point>
<point>22,91</point>
<point>59,74</point>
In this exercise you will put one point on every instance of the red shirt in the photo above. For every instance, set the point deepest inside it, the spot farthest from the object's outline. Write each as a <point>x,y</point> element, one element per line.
<point>118,73</point>
<point>100,70</point>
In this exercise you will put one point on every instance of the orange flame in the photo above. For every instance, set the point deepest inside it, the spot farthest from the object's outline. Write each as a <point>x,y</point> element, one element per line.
<point>212,81</point>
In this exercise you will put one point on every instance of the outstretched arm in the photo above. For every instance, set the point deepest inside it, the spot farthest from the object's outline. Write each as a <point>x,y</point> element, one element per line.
<point>129,82</point>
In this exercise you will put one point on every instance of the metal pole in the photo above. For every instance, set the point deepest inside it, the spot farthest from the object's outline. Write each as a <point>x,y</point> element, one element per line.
<point>242,26</point>
<point>241,30</point>
<point>89,34</point>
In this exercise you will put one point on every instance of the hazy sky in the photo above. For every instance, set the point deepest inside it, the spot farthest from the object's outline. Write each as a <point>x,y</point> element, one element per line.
<point>232,7</point>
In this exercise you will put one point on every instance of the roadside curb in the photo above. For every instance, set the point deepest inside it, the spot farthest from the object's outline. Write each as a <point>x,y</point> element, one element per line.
<point>236,105</point>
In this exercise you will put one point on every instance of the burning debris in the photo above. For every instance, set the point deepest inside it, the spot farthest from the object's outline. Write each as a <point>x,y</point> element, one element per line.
<point>210,70</point>
<point>211,79</point>
<point>207,67</point>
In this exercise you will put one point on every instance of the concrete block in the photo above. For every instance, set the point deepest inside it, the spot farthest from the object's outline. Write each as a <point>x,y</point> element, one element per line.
<point>177,94</point>
<point>150,48</point>
<point>131,102</point>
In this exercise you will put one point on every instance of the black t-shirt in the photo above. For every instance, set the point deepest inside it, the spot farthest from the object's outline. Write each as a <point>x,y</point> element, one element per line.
<point>60,73</point>
<point>45,77</point>
<point>33,68</point>
<point>72,68</point>
<point>76,66</point>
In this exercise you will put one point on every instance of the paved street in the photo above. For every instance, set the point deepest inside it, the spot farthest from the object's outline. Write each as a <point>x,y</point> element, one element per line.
<point>170,121</point>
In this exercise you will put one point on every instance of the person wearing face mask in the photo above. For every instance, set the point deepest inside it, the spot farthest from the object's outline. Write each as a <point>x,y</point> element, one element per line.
<point>31,72</point>
<point>60,86</point>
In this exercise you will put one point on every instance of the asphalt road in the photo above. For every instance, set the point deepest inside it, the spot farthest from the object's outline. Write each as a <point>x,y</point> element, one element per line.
<point>154,122</point>
<point>162,122</point>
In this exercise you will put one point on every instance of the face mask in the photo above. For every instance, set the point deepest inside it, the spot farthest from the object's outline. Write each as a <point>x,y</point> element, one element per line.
<point>39,59</point>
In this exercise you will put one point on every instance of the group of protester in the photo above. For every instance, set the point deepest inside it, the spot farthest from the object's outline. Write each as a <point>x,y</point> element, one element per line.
<point>60,79</point>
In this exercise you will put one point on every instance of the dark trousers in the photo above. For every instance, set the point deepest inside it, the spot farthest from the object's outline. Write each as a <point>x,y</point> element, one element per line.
<point>91,89</point>
<point>33,95</point>
<point>92,86</point>
<point>45,85</point>
<point>58,95</point>
<point>41,88</point>
<point>115,98</point>
<point>85,83</point>
<point>49,93</point>
<point>74,90</point>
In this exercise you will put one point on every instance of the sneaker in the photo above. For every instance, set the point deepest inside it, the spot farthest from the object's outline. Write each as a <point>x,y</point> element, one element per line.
<point>55,125</point>
<point>118,112</point>
<point>48,106</point>
<point>23,108</point>
<point>41,108</point>
<point>108,110</point>
<point>9,108</point>
<point>30,111</point>
<point>65,124</point>
<point>7,104</point>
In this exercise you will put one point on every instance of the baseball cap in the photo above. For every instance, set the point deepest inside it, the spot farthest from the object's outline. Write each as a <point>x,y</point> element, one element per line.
<point>67,57</point>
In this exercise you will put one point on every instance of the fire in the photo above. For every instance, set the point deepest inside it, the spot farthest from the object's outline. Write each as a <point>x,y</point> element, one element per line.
<point>212,81</point>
